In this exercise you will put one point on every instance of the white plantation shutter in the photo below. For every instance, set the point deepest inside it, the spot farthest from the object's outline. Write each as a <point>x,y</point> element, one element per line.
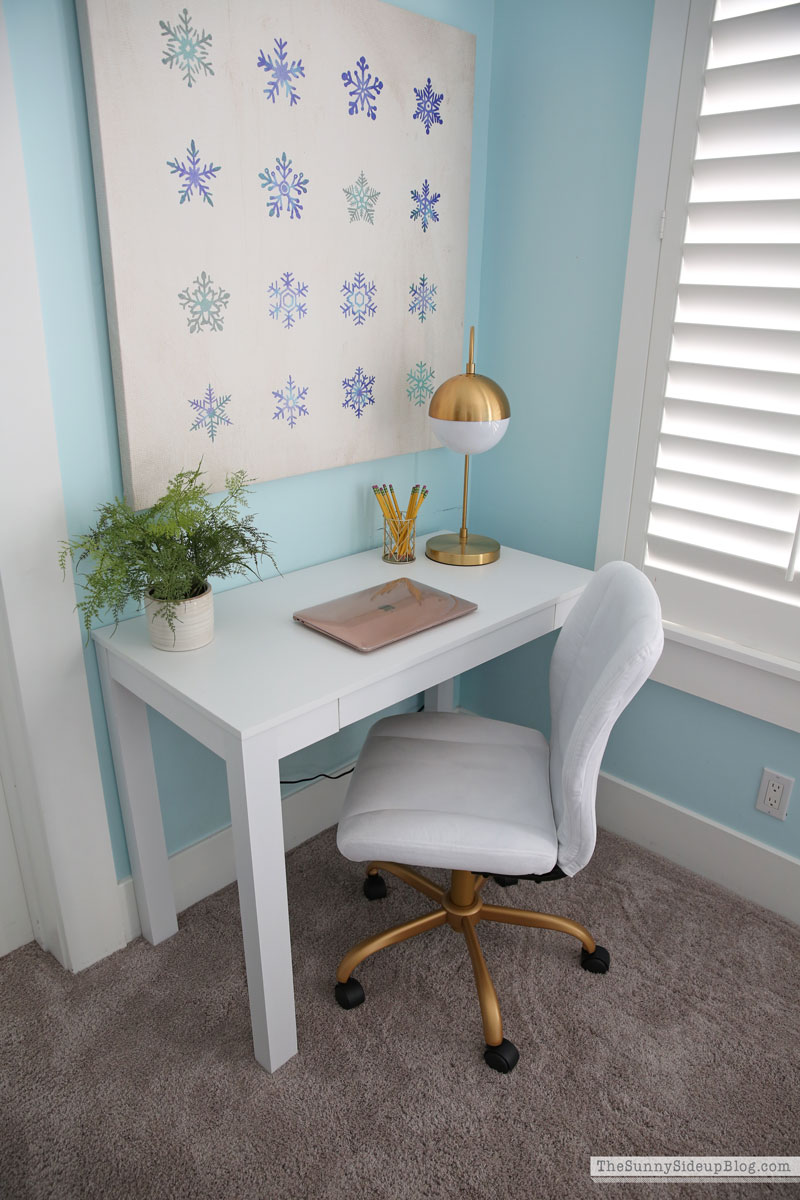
<point>721,534</point>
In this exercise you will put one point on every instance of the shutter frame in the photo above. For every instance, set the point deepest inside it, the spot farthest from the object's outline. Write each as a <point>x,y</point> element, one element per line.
<point>710,257</point>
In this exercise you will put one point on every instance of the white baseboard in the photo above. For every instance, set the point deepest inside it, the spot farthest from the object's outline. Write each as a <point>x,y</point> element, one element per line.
<point>737,862</point>
<point>204,868</point>
<point>758,872</point>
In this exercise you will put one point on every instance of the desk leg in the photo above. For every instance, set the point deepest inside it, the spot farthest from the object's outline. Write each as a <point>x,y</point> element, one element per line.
<point>440,698</point>
<point>141,812</point>
<point>256,817</point>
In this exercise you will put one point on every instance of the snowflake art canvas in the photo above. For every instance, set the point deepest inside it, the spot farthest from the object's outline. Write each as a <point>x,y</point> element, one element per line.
<point>283,196</point>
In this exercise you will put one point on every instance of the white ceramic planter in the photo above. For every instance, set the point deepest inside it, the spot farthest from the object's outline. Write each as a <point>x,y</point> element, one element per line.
<point>194,623</point>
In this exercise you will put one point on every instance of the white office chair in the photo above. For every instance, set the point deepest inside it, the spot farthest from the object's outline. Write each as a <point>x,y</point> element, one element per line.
<point>485,798</point>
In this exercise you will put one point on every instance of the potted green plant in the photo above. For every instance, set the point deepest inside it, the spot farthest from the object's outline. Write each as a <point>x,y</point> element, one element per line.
<point>166,555</point>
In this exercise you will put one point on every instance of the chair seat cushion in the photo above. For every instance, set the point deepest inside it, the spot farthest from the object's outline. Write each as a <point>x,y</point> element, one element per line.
<point>451,790</point>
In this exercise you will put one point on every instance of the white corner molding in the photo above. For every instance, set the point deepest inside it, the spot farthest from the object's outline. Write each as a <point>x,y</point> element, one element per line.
<point>749,868</point>
<point>667,40</point>
<point>51,773</point>
<point>204,868</point>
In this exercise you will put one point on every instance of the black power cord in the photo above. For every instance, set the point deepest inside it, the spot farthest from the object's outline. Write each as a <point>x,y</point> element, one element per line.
<point>321,775</point>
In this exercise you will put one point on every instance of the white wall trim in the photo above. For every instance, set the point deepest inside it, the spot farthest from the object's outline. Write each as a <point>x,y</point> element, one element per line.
<point>15,921</point>
<point>667,40</point>
<point>729,675</point>
<point>758,872</point>
<point>207,866</point>
<point>56,805</point>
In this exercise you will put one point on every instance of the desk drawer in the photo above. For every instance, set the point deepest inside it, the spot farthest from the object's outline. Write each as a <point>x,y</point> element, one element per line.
<point>445,665</point>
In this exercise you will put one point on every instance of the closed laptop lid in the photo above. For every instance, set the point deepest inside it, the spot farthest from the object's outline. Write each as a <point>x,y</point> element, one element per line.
<point>377,616</point>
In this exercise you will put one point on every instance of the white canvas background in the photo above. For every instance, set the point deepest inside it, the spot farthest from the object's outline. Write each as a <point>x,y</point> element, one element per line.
<point>144,115</point>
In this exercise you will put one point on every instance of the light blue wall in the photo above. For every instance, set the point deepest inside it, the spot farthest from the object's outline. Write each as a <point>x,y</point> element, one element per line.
<point>555,149</point>
<point>567,87</point>
<point>311,518</point>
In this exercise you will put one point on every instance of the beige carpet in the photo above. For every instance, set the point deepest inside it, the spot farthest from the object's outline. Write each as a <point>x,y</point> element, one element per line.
<point>135,1078</point>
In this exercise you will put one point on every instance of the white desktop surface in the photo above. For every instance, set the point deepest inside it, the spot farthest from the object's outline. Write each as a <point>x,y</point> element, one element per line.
<point>267,686</point>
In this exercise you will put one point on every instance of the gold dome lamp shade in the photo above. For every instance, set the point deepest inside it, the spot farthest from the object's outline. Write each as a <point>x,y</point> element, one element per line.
<point>469,414</point>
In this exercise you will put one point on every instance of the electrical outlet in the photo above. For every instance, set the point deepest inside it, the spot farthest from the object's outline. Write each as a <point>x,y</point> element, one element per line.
<point>773,795</point>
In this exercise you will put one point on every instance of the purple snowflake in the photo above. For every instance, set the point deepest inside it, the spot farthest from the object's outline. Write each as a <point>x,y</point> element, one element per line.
<point>422,297</point>
<point>359,298</point>
<point>428,102</point>
<point>210,412</point>
<point>426,202</point>
<point>284,185</point>
<point>290,406</point>
<point>288,299</point>
<point>283,73</point>
<point>364,89</point>
<point>193,175</point>
<point>358,391</point>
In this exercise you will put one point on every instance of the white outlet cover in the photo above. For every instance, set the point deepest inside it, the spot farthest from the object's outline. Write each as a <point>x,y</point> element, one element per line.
<point>763,804</point>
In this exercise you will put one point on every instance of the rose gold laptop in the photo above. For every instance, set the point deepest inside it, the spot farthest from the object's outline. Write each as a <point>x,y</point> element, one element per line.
<point>383,614</point>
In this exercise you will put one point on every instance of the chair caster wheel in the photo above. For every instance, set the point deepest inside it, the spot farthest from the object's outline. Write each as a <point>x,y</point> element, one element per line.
<point>597,962</point>
<point>375,887</point>
<point>502,1058</point>
<point>505,880</point>
<point>349,994</point>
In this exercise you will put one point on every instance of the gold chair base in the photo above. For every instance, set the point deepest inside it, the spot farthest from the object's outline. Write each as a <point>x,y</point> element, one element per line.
<point>461,908</point>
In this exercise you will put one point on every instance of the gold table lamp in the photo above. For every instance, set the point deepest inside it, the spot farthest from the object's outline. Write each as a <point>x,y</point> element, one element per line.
<point>469,414</point>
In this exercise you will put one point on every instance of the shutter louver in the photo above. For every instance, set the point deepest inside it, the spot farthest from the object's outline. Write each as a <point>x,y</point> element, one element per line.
<point>723,537</point>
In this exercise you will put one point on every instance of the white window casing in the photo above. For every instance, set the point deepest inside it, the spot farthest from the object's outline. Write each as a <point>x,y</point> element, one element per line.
<point>702,484</point>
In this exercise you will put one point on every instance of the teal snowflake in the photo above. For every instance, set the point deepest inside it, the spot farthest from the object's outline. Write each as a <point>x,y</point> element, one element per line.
<point>205,304</point>
<point>420,383</point>
<point>361,200</point>
<point>186,48</point>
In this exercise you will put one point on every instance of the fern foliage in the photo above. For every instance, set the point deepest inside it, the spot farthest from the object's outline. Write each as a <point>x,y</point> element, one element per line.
<point>170,550</point>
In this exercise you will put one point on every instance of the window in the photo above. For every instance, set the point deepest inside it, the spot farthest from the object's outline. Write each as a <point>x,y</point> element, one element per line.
<point>709,505</point>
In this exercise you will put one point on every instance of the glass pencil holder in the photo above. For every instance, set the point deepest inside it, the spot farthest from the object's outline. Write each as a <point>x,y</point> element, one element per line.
<point>399,539</point>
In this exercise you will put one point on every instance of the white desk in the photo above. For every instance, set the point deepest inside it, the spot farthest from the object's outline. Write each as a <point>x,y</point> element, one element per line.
<point>267,686</point>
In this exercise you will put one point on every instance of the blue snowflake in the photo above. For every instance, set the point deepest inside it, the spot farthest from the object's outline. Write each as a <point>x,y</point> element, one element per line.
<point>283,188</point>
<point>428,102</point>
<point>290,406</point>
<point>289,299</point>
<point>426,202</point>
<point>205,304</point>
<point>420,383</point>
<point>193,175</point>
<point>422,301</point>
<point>361,200</point>
<point>186,48</point>
<point>283,73</point>
<point>364,89</point>
<point>210,412</point>
<point>359,298</point>
<point>358,391</point>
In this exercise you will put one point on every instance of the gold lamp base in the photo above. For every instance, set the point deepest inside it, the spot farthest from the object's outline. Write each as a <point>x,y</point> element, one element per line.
<point>471,551</point>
